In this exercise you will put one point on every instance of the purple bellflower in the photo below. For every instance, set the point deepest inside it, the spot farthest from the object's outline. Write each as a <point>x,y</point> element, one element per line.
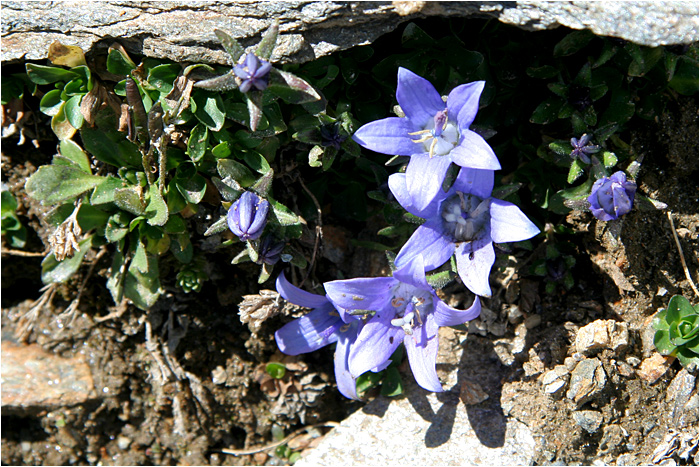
<point>270,250</point>
<point>582,149</point>
<point>322,326</point>
<point>612,197</point>
<point>247,216</point>
<point>407,310</point>
<point>253,73</point>
<point>466,220</point>
<point>434,133</point>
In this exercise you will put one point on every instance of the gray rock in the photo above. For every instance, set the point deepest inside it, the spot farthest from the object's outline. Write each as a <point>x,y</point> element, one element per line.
<point>587,381</point>
<point>589,420</point>
<point>441,435</point>
<point>613,440</point>
<point>182,30</point>
<point>679,392</point>
<point>555,380</point>
<point>602,334</point>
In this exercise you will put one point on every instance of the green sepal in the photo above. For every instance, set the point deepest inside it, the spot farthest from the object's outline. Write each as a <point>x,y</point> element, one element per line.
<point>267,44</point>
<point>575,171</point>
<point>217,227</point>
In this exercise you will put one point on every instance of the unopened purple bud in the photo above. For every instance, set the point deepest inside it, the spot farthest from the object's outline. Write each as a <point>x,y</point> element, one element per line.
<point>612,197</point>
<point>253,73</point>
<point>247,216</point>
<point>270,250</point>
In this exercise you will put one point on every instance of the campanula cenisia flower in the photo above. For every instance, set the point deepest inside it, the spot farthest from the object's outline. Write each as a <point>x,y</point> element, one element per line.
<point>253,73</point>
<point>465,220</point>
<point>322,326</point>
<point>612,197</point>
<point>582,149</point>
<point>270,250</point>
<point>434,133</point>
<point>247,216</point>
<point>407,310</point>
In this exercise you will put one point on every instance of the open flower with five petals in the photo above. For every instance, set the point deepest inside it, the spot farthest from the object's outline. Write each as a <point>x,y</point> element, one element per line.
<point>322,326</point>
<point>434,133</point>
<point>464,221</point>
<point>407,310</point>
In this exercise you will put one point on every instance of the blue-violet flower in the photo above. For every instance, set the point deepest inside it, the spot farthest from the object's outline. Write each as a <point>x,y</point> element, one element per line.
<point>322,326</point>
<point>582,149</point>
<point>466,220</point>
<point>247,216</point>
<point>407,310</point>
<point>270,250</point>
<point>612,197</point>
<point>434,133</point>
<point>253,73</point>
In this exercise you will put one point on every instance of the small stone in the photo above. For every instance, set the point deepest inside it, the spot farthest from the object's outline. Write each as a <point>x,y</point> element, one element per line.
<point>514,314</point>
<point>218,375</point>
<point>626,459</point>
<point>570,363</point>
<point>589,420</point>
<point>633,361</point>
<point>679,392</point>
<point>471,393</point>
<point>498,329</point>
<point>533,321</point>
<point>587,381</point>
<point>654,367</point>
<point>612,441</point>
<point>503,352</point>
<point>602,334</point>
<point>647,333</point>
<point>123,442</point>
<point>519,343</point>
<point>554,381</point>
<point>625,370</point>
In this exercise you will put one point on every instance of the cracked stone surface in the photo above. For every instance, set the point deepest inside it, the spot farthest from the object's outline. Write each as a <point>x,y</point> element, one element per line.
<point>182,31</point>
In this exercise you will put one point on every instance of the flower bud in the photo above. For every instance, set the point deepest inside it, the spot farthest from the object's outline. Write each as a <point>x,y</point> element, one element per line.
<point>270,250</point>
<point>612,197</point>
<point>247,216</point>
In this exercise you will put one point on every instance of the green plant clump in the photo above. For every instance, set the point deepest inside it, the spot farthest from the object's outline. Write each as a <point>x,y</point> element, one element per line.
<point>677,331</point>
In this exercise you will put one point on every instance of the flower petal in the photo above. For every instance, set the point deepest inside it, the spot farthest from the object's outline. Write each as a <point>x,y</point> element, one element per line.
<point>422,349</point>
<point>445,315</point>
<point>417,98</point>
<point>475,182</point>
<point>343,377</point>
<point>375,343</point>
<point>388,136</point>
<point>509,224</point>
<point>474,266</point>
<point>474,152</point>
<point>413,273</point>
<point>463,103</point>
<point>297,296</point>
<point>361,293</point>
<point>397,185</point>
<point>424,177</point>
<point>310,332</point>
<point>430,241</point>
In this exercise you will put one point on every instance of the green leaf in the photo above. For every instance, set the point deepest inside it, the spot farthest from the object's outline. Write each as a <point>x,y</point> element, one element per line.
<point>644,59</point>
<point>162,77</point>
<point>609,159</point>
<point>267,44</point>
<point>192,189</point>
<point>685,79</point>
<point>414,37</point>
<point>75,117</point>
<point>556,202</point>
<point>291,88</point>
<point>51,103</point>
<point>229,168</point>
<point>117,226</point>
<point>52,184</point>
<point>104,192</point>
<point>71,151</point>
<point>115,283</point>
<point>41,74</point>
<point>547,111</point>
<point>575,171</point>
<point>198,142</point>
<point>367,381</point>
<point>157,211</point>
<point>572,43</point>
<point>53,271</point>
<point>542,72</point>
<point>284,215</point>
<point>103,146</point>
<point>391,384</point>
<point>142,284</point>
<point>118,62</point>
<point>221,150</point>
<point>217,227</point>
<point>181,248</point>
<point>210,109</point>
<point>129,200</point>
<point>276,370</point>
<point>91,218</point>
<point>230,44</point>
<point>256,162</point>
<point>563,148</point>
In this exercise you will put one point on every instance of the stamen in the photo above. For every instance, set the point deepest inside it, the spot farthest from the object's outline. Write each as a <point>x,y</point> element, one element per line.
<point>432,147</point>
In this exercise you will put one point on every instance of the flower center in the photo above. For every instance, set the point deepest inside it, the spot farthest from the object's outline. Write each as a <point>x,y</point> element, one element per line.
<point>466,217</point>
<point>439,135</point>
<point>410,306</point>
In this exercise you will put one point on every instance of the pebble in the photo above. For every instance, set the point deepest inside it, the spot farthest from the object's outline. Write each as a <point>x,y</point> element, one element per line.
<point>625,370</point>
<point>679,392</point>
<point>123,442</point>
<point>589,420</point>
<point>570,363</point>
<point>218,375</point>
<point>633,361</point>
<point>555,380</point>
<point>602,334</point>
<point>587,381</point>
<point>654,367</point>
<point>471,393</point>
<point>533,321</point>
<point>514,314</point>
<point>519,342</point>
<point>33,379</point>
